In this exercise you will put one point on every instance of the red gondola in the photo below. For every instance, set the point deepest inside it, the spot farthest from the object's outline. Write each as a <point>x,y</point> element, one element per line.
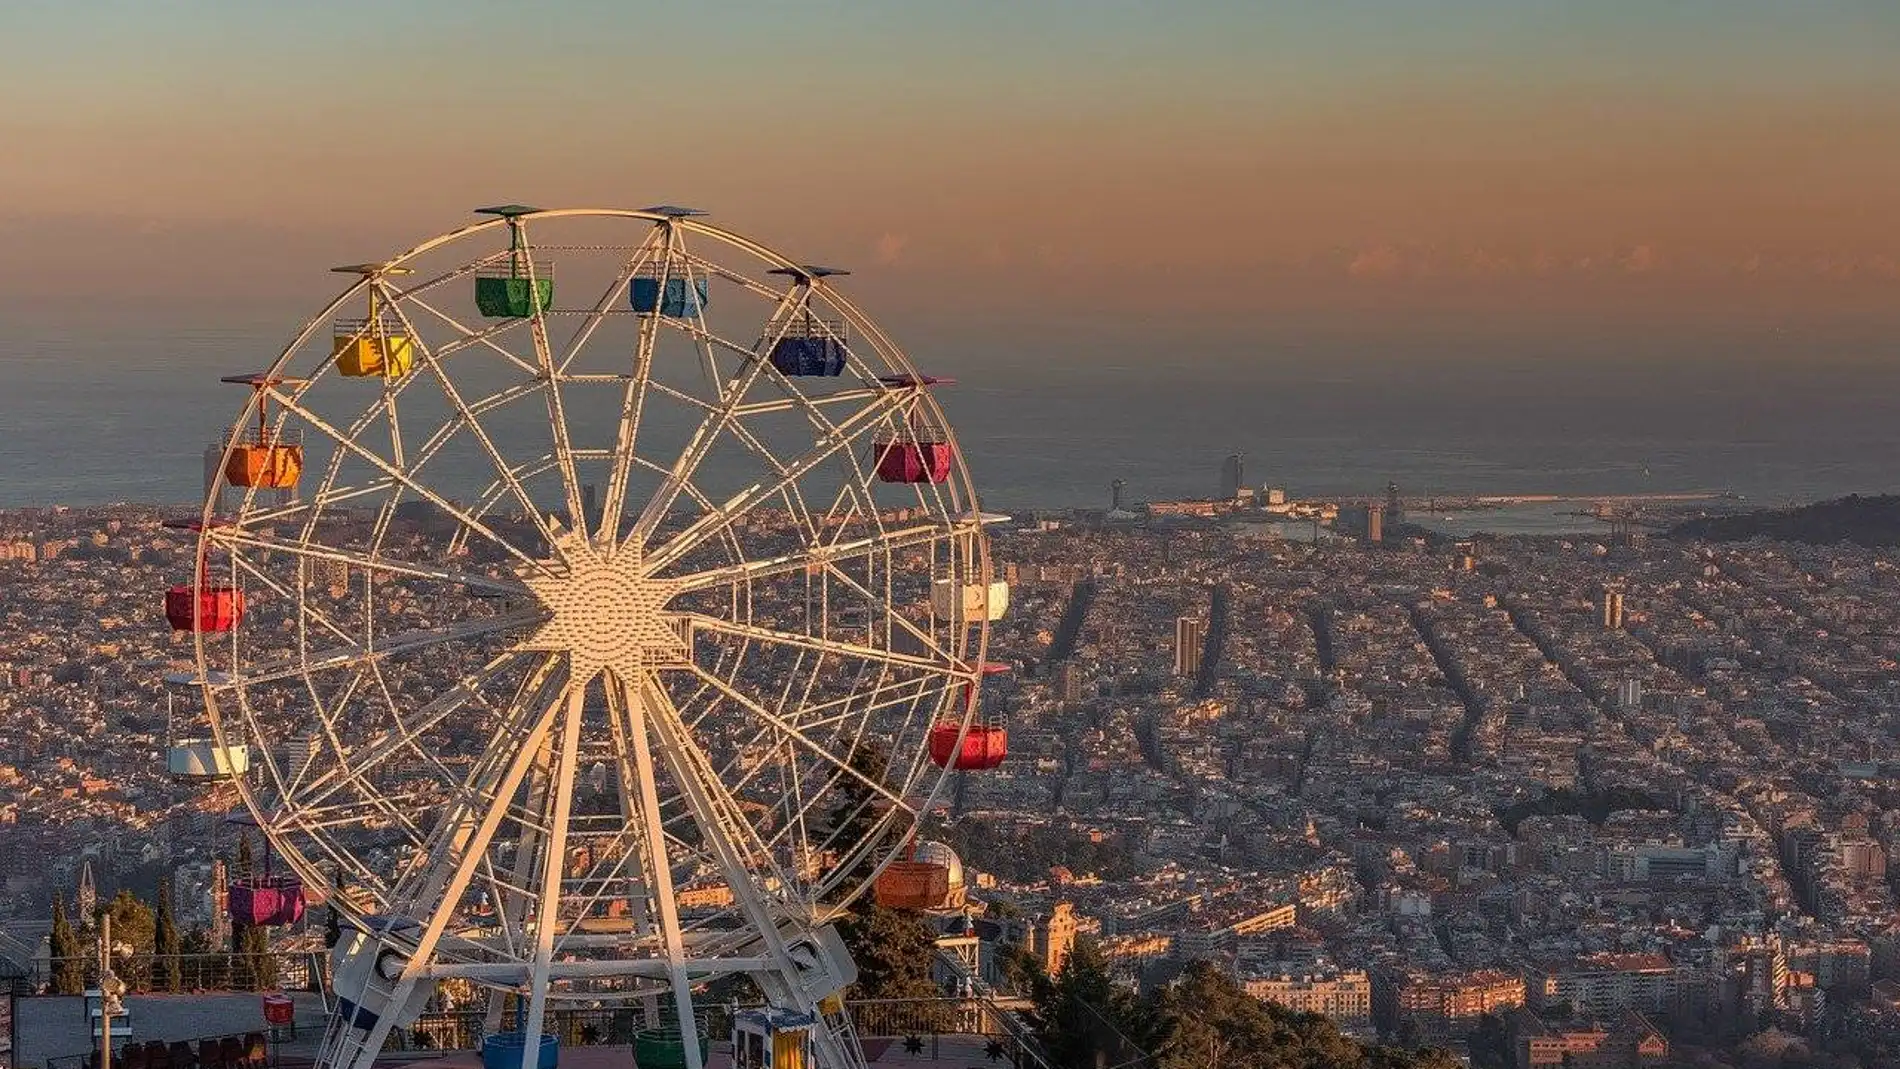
<point>266,901</point>
<point>984,746</point>
<point>196,607</point>
<point>913,460</point>
<point>203,605</point>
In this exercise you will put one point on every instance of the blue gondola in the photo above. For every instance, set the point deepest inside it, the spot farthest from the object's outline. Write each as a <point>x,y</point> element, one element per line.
<point>673,296</point>
<point>808,356</point>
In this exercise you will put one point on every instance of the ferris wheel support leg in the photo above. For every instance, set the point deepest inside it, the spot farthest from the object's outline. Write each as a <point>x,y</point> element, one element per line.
<point>553,867</point>
<point>655,836</point>
<point>464,842</point>
<point>704,794</point>
<point>514,908</point>
<point>639,897</point>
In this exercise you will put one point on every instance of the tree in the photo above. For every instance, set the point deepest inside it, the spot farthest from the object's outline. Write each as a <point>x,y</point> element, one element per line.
<point>854,816</point>
<point>170,976</point>
<point>894,950</point>
<point>203,964</point>
<point>1491,1044</point>
<point>1083,1017</point>
<point>1207,1019</point>
<point>252,967</point>
<point>134,925</point>
<point>68,959</point>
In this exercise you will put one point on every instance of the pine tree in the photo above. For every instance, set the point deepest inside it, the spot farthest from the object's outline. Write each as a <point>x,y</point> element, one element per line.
<point>243,962</point>
<point>170,972</point>
<point>259,969</point>
<point>134,925</point>
<point>1205,1018</point>
<point>69,961</point>
<point>1082,1016</point>
<point>855,814</point>
<point>201,964</point>
<point>893,949</point>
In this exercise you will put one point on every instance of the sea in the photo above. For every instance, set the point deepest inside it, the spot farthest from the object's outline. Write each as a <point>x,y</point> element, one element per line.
<point>90,416</point>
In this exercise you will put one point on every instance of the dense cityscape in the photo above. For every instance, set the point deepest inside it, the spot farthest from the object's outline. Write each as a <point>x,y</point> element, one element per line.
<point>1607,797</point>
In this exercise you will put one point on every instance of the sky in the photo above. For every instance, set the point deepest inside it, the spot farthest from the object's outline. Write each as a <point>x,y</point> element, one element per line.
<point>1202,173</point>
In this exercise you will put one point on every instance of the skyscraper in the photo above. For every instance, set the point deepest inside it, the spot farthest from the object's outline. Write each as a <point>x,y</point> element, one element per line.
<point>1117,491</point>
<point>1069,682</point>
<point>1231,477</point>
<point>1187,646</point>
<point>1612,609</point>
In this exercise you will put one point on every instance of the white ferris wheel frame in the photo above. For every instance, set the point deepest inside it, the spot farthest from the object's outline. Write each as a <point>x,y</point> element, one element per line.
<point>651,733</point>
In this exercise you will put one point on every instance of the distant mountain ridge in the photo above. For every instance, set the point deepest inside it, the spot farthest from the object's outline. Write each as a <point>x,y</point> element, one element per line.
<point>1865,521</point>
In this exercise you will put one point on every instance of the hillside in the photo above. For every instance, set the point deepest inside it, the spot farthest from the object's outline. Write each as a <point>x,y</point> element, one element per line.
<point>1865,521</point>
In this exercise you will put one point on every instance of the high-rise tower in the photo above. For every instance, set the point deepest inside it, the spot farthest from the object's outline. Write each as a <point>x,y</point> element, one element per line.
<point>1232,478</point>
<point>1187,645</point>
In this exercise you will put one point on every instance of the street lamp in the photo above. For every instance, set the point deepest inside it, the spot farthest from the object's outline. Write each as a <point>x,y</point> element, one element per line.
<point>111,988</point>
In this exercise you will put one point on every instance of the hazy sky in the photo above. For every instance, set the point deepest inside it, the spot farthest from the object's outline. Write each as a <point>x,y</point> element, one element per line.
<point>1503,163</point>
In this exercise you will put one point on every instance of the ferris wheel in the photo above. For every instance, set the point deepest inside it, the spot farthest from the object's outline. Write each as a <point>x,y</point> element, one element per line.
<point>590,643</point>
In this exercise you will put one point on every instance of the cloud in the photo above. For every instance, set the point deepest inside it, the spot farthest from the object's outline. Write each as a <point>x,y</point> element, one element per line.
<point>1380,261</point>
<point>890,247</point>
<point>1641,260</point>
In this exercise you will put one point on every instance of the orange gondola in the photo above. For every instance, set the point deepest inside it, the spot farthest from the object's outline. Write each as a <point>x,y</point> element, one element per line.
<point>267,458</point>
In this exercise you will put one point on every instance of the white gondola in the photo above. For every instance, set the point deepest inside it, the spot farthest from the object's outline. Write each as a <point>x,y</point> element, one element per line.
<point>204,759</point>
<point>976,601</point>
<point>199,760</point>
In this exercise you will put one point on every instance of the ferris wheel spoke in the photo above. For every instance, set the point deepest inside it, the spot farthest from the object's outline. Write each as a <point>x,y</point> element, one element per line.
<point>554,862</point>
<point>712,523</point>
<point>640,737</point>
<point>235,536</point>
<point>813,556</point>
<point>706,435</point>
<point>470,338</point>
<point>356,762</point>
<point>809,401</point>
<point>407,481</point>
<point>522,256</point>
<point>458,849</point>
<point>753,632</point>
<point>882,602</point>
<point>627,431</point>
<point>466,418</point>
<point>334,495</point>
<point>594,317</point>
<point>794,733</point>
<point>358,656</point>
<point>735,844</point>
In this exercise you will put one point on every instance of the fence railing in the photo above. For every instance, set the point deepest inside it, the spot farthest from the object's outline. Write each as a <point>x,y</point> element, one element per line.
<point>582,1027</point>
<point>299,970</point>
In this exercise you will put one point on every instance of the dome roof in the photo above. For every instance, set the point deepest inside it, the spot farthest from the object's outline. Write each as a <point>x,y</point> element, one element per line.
<point>941,854</point>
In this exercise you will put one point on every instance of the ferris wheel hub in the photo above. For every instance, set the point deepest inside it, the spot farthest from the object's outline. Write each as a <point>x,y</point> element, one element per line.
<point>603,613</point>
